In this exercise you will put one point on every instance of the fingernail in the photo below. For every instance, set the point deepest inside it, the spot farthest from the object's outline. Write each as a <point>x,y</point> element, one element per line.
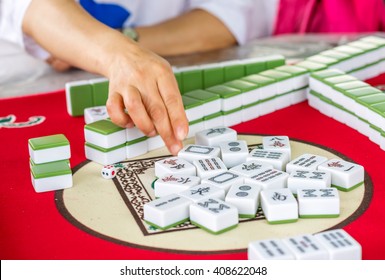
<point>152,133</point>
<point>175,149</point>
<point>180,133</point>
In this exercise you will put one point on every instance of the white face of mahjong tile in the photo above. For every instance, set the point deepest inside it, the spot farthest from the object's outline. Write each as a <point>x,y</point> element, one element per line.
<point>305,245</point>
<point>267,176</point>
<point>311,193</point>
<point>182,180</point>
<point>279,196</point>
<point>209,164</point>
<point>201,191</point>
<point>223,178</point>
<point>263,154</point>
<point>250,168</point>
<point>307,161</point>
<point>310,175</point>
<point>273,249</point>
<point>341,166</point>
<point>174,164</point>
<point>276,142</point>
<point>215,206</point>
<point>217,131</point>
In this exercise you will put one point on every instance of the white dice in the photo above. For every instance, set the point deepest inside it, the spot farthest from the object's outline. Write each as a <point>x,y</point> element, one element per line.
<point>108,172</point>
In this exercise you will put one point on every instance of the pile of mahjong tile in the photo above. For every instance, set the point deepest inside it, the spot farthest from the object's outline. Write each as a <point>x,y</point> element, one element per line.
<point>216,181</point>
<point>49,163</point>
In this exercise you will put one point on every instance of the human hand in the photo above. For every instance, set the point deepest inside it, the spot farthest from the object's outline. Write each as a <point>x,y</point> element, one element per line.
<point>143,84</point>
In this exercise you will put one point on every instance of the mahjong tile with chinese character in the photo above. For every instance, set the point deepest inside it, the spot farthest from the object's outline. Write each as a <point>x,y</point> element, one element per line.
<point>340,245</point>
<point>269,179</point>
<point>275,158</point>
<point>167,212</point>
<point>269,249</point>
<point>245,197</point>
<point>308,179</point>
<point>203,191</point>
<point>173,183</point>
<point>213,136</point>
<point>346,176</point>
<point>233,152</point>
<point>209,167</point>
<point>305,162</point>
<point>277,143</point>
<point>223,180</point>
<point>195,152</point>
<point>279,206</point>
<point>318,203</point>
<point>250,168</point>
<point>94,114</point>
<point>174,165</point>
<point>214,215</point>
<point>306,247</point>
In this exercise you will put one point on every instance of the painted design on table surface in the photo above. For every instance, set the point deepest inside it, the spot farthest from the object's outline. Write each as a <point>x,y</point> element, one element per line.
<point>9,121</point>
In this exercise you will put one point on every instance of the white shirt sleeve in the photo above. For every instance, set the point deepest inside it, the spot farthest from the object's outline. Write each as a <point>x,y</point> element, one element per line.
<point>11,19</point>
<point>246,19</point>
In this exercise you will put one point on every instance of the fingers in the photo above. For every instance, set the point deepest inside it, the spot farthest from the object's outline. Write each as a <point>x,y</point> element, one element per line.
<point>172,100</point>
<point>115,109</point>
<point>159,114</point>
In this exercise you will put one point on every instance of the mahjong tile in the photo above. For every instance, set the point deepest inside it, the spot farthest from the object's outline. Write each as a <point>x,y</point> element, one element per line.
<point>203,191</point>
<point>167,212</point>
<point>174,165</point>
<point>269,179</point>
<point>213,136</point>
<point>214,215</point>
<point>245,197</point>
<point>345,175</point>
<point>308,179</point>
<point>277,143</point>
<point>233,152</point>
<point>195,152</point>
<point>269,249</point>
<point>275,158</point>
<point>250,168</point>
<point>173,183</point>
<point>318,203</point>
<point>208,167</point>
<point>305,162</point>
<point>279,206</point>
<point>306,247</point>
<point>340,245</point>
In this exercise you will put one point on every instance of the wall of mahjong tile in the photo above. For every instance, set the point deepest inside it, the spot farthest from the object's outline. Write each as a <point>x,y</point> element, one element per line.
<point>112,210</point>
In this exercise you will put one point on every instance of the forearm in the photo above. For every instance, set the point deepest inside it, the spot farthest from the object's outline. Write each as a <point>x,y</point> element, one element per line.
<point>65,30</point>
<point>195,31</point>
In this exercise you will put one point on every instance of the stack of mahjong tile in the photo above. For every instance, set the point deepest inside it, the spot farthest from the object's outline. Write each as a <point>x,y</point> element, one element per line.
<point>364,58</point>
<point>349,101</point>
<point>216,181</point>
<point>49,163</point>
<point>334,244</point>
